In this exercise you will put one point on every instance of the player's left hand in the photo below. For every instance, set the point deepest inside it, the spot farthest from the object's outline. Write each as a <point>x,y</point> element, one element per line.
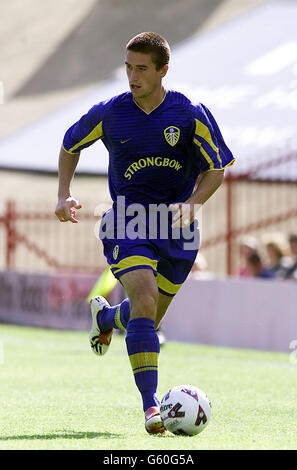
<point>184,213</point>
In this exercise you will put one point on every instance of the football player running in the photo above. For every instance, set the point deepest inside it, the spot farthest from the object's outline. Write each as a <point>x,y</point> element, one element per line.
<point>166,155</point>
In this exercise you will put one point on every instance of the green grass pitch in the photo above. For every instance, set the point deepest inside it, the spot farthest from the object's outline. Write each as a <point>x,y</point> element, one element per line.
<point>56,394</point>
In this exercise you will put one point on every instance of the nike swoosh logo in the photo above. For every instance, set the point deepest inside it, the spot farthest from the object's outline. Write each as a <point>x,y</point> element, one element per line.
<point>124,141</point>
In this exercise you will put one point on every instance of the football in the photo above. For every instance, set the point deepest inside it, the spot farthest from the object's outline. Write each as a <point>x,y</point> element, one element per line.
<point>185,410</point>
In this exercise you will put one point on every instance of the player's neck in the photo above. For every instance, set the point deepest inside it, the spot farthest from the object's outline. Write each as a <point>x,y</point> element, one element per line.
<point>151,102</point>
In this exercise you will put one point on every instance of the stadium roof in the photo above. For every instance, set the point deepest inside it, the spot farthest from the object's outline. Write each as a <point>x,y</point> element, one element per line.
<point>244,71</point>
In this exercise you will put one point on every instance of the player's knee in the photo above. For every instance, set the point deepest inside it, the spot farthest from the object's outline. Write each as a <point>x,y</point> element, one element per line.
<point>145,305</point>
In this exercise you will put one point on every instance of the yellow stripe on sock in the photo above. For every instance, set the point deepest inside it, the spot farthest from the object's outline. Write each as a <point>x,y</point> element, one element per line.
<point>117,319</point>
<point>144,369</point>
<point>144,360</point>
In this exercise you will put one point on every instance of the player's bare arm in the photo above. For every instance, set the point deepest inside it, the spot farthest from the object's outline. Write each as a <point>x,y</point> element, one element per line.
<point>207,185</point>
<point>65,210</point>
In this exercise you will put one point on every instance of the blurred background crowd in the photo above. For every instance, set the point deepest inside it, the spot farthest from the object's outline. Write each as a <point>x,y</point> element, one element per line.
<point>271,256</point>
<point>274,256</point>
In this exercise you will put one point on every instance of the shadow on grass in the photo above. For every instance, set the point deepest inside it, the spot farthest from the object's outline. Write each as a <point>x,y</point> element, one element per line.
<point>63,435</point>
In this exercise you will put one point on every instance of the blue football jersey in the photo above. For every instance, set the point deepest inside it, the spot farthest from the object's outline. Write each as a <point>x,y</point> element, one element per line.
<point>154,157</point>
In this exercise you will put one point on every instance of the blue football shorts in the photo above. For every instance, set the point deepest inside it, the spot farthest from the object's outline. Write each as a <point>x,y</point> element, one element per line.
<point>132,243</point>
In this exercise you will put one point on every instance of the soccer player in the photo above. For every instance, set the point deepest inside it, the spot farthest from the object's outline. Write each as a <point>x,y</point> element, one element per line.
<point>163,150</point>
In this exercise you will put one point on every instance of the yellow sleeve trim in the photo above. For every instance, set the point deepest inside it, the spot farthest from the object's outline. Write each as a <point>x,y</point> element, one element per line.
<point>68,151</point>
<point>219,169</point>
<point>203,131</point>
<point>95,134</point>
<point>205,154</point>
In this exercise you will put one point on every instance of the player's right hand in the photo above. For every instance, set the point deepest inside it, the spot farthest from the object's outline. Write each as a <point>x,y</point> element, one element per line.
<point>66,209</point>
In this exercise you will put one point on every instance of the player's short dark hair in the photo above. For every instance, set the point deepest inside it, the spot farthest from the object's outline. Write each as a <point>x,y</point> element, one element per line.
<point>153,44</point>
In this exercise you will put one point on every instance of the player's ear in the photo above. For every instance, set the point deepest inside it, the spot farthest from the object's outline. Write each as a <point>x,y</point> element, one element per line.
<point>164,70</point>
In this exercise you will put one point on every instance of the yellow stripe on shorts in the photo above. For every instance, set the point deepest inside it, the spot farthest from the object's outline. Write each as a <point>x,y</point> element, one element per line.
<point>132,261</point>
<point>167,286</point>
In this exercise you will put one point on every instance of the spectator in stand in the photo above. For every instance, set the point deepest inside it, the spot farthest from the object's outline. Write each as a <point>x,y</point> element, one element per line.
<point>257,268</point>
<point>247,246</point>
<point>291,272</point>
<point>277,249</point>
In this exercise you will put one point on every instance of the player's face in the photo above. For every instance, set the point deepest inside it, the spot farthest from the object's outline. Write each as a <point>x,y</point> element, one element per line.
<point>143,77</point>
